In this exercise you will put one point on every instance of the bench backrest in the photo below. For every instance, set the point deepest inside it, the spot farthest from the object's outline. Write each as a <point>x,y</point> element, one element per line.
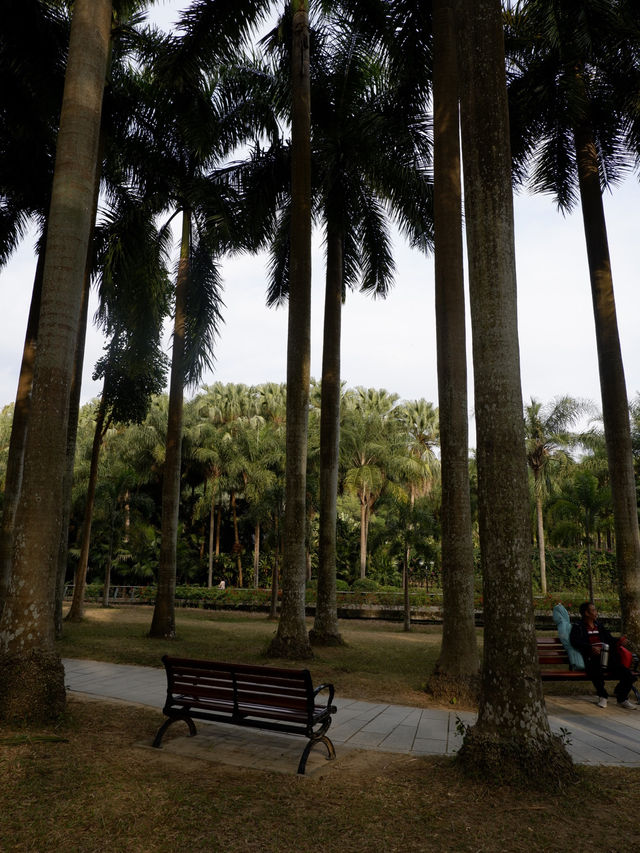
<point>240,685</point>
<point>551,651</point>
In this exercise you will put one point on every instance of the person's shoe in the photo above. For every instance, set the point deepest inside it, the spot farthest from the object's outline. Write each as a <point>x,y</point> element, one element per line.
<point>626,704</point>
<point>602,702</point>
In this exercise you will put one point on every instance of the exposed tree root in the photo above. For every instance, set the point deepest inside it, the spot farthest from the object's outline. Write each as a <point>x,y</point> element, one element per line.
<point>323,638</point>
<point>290,648</point>
<point>523,762</point>
<point>454,689</point>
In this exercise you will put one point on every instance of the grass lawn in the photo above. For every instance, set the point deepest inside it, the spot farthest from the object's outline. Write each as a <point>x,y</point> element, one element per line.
<point>95,790</point>
<point>380,662</point>
<point>85,785</point>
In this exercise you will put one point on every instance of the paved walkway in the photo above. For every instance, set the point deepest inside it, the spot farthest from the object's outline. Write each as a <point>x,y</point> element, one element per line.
<point>597,736</point>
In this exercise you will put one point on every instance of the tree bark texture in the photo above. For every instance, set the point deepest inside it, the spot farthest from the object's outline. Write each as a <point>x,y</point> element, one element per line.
<point>292,639</point>
<point>512,734</point>
<point>163,623</point>
<point>74,404</point>
<point>456,671</point>
<point>615,407</point>
<point>537,475</point>
<point>27,624</point>
<point>76,611</point>
<point>19,426</point>
<point>325,626</point>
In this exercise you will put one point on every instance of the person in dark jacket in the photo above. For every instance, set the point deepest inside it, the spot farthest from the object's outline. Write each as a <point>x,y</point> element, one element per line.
<point>587,636</point>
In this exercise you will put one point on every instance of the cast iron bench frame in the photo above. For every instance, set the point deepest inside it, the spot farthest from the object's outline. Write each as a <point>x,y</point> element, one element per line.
<point>261,697</point>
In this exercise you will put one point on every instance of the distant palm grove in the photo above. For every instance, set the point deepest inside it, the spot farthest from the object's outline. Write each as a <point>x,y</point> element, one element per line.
<point>118,140</point>
<point>232,491</point>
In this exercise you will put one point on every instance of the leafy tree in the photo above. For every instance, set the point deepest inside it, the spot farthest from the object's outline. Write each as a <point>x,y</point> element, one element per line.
<point>134,291</point>
<point>547,431</point>
<point>194,128</point>
<point>368,452</point>
<point>583,498</point>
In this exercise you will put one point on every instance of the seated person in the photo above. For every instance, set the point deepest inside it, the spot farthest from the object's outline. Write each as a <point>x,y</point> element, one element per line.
<point>587,636</point>
<point>626,658</point>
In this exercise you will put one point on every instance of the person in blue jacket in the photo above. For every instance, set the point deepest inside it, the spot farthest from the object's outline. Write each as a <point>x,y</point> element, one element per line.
<point>587,636</point>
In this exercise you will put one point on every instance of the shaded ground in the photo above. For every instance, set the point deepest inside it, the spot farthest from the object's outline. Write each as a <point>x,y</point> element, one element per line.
<point>97,790</point>
<point>380,663</point>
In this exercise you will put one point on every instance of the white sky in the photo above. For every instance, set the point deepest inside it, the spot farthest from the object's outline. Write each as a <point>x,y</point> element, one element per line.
<point>391,344</point>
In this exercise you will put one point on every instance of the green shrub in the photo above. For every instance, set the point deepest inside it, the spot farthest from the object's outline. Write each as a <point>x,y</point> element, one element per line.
<point>364,585</point>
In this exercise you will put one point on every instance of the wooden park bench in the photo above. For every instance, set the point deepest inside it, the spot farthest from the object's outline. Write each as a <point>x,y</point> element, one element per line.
<point>551,653</point>
<point>555,666</point>
<point>261,697</point>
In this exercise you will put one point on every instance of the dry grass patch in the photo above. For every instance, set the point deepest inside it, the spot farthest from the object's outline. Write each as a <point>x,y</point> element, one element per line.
<point>94,790</point>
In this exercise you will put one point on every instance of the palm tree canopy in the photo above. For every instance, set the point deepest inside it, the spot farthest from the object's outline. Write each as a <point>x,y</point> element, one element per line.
<point>572,63</point>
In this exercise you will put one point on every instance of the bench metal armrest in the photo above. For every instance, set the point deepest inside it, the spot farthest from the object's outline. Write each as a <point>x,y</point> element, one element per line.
<point>328,687</point>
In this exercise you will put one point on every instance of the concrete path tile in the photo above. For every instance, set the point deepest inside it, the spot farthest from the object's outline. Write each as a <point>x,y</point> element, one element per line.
<point>598,736</point>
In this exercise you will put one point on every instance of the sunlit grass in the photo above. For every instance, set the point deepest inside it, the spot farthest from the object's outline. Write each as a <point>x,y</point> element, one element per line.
<point>379,662</point>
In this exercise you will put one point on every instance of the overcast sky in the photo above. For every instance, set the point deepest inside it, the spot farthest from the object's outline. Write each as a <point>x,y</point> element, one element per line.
<point>391,343</point>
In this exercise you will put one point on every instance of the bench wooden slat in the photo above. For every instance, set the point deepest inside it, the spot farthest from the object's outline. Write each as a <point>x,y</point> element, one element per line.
<point>272,698</point>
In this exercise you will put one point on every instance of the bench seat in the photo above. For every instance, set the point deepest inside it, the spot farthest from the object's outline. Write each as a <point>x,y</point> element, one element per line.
<point>263,697</point>
<point>551,653</point>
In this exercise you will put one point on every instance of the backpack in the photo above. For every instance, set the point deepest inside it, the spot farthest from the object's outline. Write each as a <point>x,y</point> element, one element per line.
<point>563,624</point>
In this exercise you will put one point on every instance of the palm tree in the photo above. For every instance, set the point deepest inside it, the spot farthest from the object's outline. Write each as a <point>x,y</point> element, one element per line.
<point>32,69</point>
<point>585,499</point>
<point>292,639</point>
<point>512,721</point>
<point>369,425</point>
<point>134,291</point>
<point>456,670</point>
<point>259,453</point>
<point>195,127</point>
<point>27,623</point>
<point>574,106</point>
<point>547,431</point>
<point>352,115</point>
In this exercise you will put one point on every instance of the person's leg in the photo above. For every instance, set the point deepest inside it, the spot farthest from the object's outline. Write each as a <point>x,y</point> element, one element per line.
<point>624,685</point>
<point>596,674</point>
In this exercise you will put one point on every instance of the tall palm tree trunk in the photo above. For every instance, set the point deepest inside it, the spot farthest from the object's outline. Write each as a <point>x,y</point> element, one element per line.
<point>31,674</point>
<point>163,623</point>
<point>237,548</point>
<point>615,407</point>
<point>292,639</point>
<point>17,441</point>
<point>74,410</point>
<point>512,734</point>
<point>212,519</point>
<point>325,627</point>
<point>589,567</point>
<point>76,611</point>
<point>537,484</point>
<point>256,556</point>
<point>456,670</point>
<point>273,609</point>
<point>364,516</point>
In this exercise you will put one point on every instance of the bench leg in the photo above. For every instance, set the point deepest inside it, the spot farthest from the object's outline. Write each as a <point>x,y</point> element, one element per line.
<point>167,723</point>
<point>313,741</point>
